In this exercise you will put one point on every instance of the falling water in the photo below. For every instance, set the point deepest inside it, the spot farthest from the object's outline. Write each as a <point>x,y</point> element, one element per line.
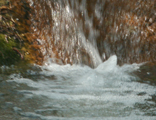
<point>81,31</point>
<point>62,32</point>
<point>83,43</point>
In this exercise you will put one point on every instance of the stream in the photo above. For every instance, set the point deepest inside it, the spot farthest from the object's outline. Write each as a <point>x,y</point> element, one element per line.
<point>74,92</point>
<point>92,50</point>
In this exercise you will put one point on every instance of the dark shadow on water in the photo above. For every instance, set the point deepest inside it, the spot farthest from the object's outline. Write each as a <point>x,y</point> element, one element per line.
<point>147,73</point>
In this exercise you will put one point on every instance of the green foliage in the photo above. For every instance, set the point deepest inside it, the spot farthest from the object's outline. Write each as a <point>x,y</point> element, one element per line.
<point>17,40</point>
<point>8,56</point>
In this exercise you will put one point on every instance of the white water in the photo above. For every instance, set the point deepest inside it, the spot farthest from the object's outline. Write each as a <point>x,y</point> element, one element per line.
<point>109,92</point>
<point>65,92</point>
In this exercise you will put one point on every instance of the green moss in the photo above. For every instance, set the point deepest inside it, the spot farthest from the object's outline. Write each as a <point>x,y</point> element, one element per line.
<point>8,56</point>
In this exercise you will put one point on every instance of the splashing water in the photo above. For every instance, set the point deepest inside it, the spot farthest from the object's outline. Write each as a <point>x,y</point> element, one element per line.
<point>77,92</point>
<point>68,32</point>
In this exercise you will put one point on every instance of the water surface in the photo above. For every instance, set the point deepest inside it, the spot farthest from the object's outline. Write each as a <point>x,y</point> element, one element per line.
<point>74,92</point>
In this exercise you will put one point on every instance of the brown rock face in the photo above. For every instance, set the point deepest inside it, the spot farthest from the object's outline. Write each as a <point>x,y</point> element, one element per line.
<point>76,31</point>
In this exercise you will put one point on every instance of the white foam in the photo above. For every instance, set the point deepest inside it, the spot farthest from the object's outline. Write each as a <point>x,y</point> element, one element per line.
<point>83,88</point>
<point>108,65</point>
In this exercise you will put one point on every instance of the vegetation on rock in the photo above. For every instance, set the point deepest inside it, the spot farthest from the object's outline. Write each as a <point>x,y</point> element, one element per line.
<point>17,40</point>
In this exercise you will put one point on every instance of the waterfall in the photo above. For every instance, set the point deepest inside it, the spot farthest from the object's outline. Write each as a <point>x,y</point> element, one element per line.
<point>81,50</point>
<point>62,33</point>
<point>81,31</point>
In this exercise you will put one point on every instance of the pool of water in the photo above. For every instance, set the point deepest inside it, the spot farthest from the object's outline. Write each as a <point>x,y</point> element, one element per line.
<point>65,92</point>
